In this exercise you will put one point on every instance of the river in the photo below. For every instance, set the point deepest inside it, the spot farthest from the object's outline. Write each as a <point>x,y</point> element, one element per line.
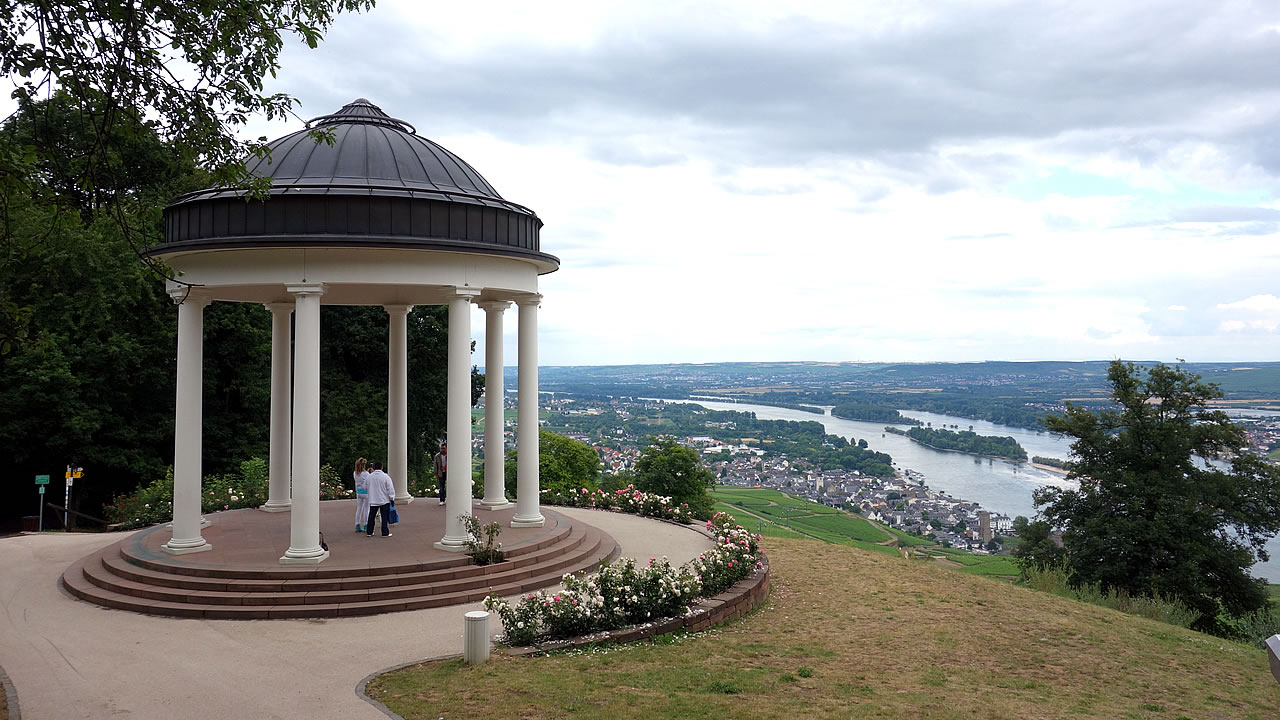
<point>1002,486</point>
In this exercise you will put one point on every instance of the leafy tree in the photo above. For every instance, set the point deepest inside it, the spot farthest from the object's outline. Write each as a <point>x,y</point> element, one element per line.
<point>564,464</point>
<point>91,382</point>
<point>117,62</point>
<point>668,468</point>
<point>1152,515</point>
<point>1037,549</point>
<point>127,51</point>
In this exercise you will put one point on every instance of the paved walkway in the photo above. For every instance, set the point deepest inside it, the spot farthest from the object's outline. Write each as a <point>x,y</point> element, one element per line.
<point>70,659</point>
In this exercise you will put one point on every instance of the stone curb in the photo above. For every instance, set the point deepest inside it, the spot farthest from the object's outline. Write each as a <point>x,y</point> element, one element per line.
<point>10,696</point>
<point>362,686</point>
<point>731,604</point>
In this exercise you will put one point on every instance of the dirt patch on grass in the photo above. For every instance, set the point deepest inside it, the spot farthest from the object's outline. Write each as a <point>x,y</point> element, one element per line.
<point>851,634</point>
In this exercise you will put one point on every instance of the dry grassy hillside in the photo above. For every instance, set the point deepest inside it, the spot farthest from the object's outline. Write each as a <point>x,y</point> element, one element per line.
<point>852,634</point>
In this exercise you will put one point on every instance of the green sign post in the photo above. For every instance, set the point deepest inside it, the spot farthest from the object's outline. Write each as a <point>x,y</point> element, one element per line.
<point>41,481</point>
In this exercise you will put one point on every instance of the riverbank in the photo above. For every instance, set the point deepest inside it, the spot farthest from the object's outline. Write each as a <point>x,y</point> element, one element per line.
<point>1049,468</point>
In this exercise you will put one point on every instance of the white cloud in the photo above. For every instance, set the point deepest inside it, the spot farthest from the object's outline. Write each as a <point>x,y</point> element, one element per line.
<point>1257,312</point>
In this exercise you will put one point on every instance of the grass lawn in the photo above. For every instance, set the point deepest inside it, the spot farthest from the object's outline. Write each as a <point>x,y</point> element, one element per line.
<point>850,526</point>
<point>753,524</point>
<point>852,634</point>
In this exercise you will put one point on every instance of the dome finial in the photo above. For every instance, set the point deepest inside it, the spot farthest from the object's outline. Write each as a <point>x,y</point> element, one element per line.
<point>361,110</point>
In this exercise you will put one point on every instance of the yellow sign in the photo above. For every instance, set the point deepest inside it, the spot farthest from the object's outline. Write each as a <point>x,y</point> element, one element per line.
<point>77,474</point>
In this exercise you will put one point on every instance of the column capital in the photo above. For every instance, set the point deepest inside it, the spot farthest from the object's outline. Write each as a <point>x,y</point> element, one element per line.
<point>306,289</point>
<point>398,309</point>
<point>530,299</point>
<point>469,293</point>
<point>498,305</point>
<point>278,307</point>
<point>189,296</point>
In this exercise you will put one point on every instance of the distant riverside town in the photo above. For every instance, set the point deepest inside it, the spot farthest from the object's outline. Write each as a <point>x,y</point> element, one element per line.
<point>798,458</point>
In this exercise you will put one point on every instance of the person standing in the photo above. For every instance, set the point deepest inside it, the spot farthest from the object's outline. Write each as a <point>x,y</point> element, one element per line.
<point>442,468</point>
<point>382,495</point>
<point>362,493</point>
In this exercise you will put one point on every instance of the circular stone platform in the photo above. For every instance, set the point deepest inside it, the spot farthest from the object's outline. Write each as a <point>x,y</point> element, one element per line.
<point>242,577</point>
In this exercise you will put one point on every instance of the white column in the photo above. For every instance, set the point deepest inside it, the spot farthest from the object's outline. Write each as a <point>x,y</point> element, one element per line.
<point>188,424</point>
<point>304,520</point>
<point>281,445</point>
<point>398,401</point>
<point>458,423</point>
<point>527,501</point>
<point>495,495</point>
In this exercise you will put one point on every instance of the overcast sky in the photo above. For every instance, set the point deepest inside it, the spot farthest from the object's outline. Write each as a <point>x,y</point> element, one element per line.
<point>837,181</point>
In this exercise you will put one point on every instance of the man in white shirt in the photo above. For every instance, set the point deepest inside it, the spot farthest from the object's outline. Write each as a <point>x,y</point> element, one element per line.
<point>382,494</point>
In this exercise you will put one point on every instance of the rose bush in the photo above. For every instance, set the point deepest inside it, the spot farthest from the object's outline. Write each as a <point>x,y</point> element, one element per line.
<point>624,593</point>
<point>628,500</point>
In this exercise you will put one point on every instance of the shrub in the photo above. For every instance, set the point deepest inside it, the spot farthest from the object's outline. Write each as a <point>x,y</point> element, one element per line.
<point>624,593</point>
<point>488,550</point>
<point>153,503</point>
<point>628,500</point>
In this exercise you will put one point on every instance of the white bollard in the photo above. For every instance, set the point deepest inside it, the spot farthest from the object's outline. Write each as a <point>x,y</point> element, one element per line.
<point>476,637</point>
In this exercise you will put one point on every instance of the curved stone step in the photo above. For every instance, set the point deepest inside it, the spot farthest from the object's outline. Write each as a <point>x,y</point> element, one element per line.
<point>109,578</point>
<point>583,542</point>
<point>457,562</point>
<point>123,567</point>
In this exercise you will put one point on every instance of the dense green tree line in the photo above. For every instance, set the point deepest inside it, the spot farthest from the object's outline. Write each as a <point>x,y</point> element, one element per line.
<point>871,412</point>
<point>967,441</point>
<point>92,380</point>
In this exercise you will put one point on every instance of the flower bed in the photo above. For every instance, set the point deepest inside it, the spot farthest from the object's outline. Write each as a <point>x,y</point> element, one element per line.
<point>624,593</point>
<point>628,500</point>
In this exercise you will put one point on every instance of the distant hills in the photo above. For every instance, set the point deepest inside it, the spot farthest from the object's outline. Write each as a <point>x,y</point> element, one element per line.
<point>815,381</point>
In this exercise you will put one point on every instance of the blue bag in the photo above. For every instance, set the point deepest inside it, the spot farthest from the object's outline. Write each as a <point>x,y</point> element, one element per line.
<point>394,516</point>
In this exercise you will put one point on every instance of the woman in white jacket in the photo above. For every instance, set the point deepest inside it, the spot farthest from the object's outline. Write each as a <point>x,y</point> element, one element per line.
<point>362,493</point>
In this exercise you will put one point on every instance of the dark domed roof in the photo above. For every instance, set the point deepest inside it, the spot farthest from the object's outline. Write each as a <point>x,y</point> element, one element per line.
<point>370,148</point>
<point>377,184</point>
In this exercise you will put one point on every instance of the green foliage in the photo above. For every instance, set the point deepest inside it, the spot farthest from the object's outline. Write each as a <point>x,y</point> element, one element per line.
<point>1254,627</point>
<point>247,488</point>
<point>482,540</point>
<point>670,469</point>
<point>565,465</point>
<point>871,412</point>
<point>1162,608</point>
<point>967,441</point>
<point>126,52</point>
<point>1036,549</point>
<point>1051,462</point>
<point>1150,516</point>
<point>93,383</point>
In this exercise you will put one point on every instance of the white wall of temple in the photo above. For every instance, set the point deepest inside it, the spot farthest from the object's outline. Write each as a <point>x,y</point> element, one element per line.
<point>354,276</point>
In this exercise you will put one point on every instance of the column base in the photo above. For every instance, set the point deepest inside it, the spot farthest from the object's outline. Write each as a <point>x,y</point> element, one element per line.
<point>537,521</point>
<point>404,499</point>
<point>309,556</point>
<point>184,547</point>
<point>449,544</point>
<point>276,507</point>
<point>499,504</point>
